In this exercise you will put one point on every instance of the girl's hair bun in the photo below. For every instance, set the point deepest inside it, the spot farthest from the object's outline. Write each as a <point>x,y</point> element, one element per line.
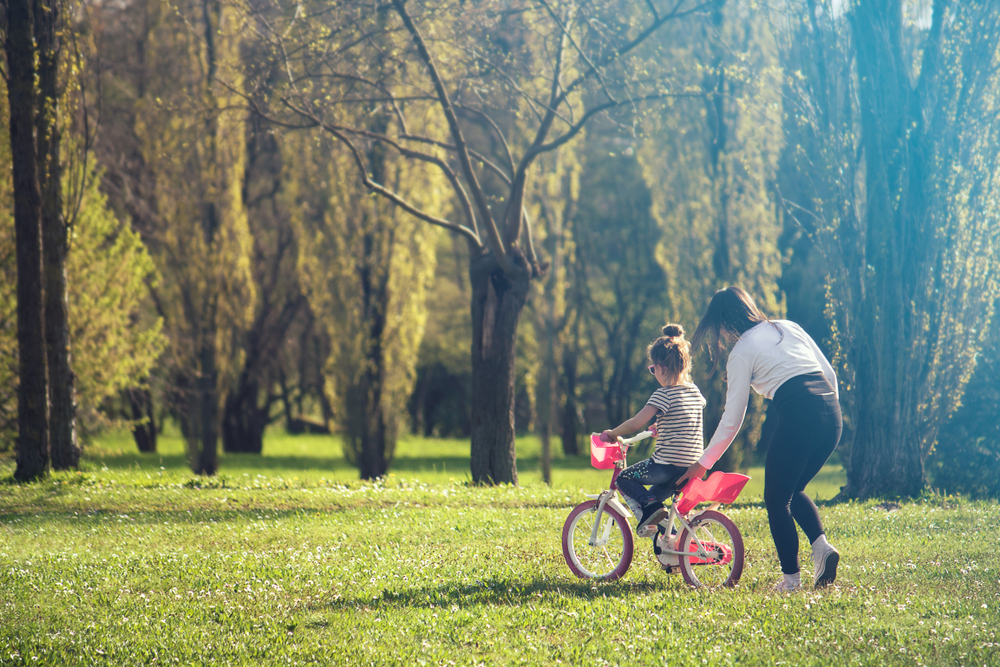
<point>673,331</point>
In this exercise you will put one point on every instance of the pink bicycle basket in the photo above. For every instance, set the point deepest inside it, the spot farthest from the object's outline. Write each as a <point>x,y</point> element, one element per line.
<point>720,487</point>
<point>603,455</point>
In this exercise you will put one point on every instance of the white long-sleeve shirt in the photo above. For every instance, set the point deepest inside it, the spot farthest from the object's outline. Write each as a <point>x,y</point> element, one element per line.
<point>763,359</point>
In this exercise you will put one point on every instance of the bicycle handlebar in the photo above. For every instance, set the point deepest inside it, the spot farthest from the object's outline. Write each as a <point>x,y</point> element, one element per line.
<point>636,438</point>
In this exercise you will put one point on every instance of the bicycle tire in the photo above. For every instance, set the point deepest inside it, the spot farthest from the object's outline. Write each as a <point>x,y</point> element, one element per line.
<point>597,562</point>
<point>725,565</point>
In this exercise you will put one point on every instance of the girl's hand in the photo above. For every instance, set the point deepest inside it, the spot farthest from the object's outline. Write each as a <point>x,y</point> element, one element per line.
<point>607,437</point>
<point>695,470</point>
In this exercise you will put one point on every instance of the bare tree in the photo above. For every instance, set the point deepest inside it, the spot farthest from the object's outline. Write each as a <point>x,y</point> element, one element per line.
<point>478,91</point>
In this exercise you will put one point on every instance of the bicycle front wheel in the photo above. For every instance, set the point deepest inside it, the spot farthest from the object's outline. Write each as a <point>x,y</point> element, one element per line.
<point>723,563</point>
<point>610,556</point>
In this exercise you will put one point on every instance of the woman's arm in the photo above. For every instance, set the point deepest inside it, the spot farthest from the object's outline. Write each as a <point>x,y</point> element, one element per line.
<point>633,425</point>
<point>737,394</point>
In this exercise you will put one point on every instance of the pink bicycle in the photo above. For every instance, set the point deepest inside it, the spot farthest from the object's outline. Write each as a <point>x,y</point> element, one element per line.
<point>597,538</point>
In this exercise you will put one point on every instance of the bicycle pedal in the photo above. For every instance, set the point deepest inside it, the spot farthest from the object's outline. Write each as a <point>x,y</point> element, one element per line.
<point>646,531</point>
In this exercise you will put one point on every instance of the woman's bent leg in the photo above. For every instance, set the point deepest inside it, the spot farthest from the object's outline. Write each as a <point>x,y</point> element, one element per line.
<point>803,509</point>
<point>807,434</point>
<point>782,470</point>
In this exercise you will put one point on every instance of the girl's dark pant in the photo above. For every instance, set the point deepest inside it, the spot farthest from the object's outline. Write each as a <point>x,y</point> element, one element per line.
<point>659,477</point>
<point>804,424</point>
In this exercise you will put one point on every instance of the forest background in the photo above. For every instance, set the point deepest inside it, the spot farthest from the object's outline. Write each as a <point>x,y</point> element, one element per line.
<point>468,218</point>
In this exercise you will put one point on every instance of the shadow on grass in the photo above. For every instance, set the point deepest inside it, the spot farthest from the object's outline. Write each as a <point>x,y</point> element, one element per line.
<point>496,591</point>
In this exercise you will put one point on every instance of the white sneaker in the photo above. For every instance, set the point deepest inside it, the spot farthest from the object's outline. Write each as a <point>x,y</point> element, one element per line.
<point>825,560</point>
<point>788,584</point>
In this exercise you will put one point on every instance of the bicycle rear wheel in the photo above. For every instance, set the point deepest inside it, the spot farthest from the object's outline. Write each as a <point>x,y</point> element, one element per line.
<point>723,565</point>
<point>611,556</point>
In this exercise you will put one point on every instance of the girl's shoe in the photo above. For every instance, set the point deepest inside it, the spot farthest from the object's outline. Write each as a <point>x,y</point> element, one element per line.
<point>652,514</point>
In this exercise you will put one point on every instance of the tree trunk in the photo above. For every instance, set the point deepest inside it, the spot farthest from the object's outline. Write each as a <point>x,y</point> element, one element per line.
<point>372,428</point>
<point>208,408</point>
<point>33,429</point>
<point>144,427</point>
<point>546,393</point>
<point>376,448</point>
<point>884,462</point>
<point>497,300</point>
<point>569,418</point>
<point>885,458</point>
<point>286,401</point>
<point>368,424</point>
<point>63,444</point>
<point>243,421</point>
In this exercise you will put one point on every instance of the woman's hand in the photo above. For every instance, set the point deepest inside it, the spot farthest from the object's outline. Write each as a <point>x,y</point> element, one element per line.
<point>695,470</point>
<point>607,436</point>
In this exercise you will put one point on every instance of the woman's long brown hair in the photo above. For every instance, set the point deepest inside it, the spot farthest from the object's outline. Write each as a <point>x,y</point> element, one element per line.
<point>730,313</point>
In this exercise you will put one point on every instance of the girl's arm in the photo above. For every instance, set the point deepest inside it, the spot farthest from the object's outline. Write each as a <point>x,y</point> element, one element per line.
<point>633,425</point>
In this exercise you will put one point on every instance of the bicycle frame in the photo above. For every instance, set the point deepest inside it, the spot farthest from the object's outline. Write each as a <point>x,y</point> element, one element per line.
<point>610,496</point>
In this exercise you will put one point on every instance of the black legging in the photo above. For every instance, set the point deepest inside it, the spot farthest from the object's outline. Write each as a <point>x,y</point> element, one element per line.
<point>804,424</point>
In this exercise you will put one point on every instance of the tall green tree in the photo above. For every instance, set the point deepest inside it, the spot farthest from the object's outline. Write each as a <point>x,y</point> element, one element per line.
<point>553,203</point>
<point>902,153</point>
<point>51,24</point>
<point>370,298</point>
<point>115,341</point>
<point>8,288</point>
<point>711,161</point>
<point>247,407</point>
<point>33,418</point>
<point>622,286</point>
<point>192,138</point>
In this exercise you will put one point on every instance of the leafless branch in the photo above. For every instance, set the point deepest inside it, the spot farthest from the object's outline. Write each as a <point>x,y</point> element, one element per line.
<point>380,189</point>
<point>567,35</point>
<point>450,147</point>
<point>496,128</point>
<point>496,245</point>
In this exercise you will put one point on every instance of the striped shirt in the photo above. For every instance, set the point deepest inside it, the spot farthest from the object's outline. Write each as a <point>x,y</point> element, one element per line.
<point>679,431</point>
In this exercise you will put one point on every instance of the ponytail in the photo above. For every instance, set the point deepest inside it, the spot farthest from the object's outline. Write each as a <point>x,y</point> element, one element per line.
<point>672,352</point>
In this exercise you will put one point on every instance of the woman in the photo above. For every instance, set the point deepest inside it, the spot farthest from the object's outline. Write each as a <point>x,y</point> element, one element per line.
<point>781,362</point>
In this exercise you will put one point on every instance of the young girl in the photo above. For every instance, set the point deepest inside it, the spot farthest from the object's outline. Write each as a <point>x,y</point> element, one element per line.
<point>780,361</point>
<point>677,406</point>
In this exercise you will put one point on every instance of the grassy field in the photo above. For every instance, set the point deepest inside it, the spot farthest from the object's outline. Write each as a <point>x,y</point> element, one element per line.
<point>288,559</point>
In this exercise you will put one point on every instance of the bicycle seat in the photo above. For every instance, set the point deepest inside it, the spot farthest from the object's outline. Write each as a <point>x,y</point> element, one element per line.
<point>720,487</point>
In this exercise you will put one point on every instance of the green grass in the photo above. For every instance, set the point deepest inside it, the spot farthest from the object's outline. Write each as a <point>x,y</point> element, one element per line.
<point>312,459</point>
<point>287,559</point>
